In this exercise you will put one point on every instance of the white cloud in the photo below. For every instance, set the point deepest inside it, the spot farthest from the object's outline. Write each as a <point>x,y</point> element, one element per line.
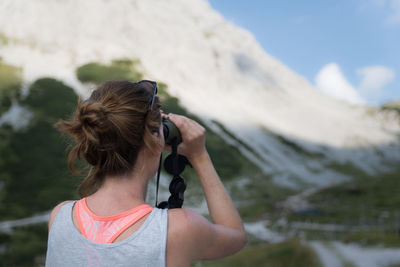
<point>332,82</point>
<point>374,79</point>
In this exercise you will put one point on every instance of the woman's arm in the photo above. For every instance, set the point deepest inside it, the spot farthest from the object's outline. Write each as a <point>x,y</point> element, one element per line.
<point>206,240</point>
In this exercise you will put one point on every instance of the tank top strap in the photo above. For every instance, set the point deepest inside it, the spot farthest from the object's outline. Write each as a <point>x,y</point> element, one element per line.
<point>105,229</point>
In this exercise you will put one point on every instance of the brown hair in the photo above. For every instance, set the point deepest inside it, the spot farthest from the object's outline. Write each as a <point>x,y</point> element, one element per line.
<point>109,129</point>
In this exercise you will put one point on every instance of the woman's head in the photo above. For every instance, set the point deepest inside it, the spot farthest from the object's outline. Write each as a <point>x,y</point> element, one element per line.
<point>111,127</point>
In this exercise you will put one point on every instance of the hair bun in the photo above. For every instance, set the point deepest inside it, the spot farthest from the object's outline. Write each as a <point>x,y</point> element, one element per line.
<point>93,119</point>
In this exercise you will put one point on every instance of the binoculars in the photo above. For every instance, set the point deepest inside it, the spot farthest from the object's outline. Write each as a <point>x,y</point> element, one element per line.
<point>171,132</point>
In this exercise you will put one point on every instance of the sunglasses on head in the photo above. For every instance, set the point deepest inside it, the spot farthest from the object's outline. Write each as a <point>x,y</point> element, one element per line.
<point>155,89</point>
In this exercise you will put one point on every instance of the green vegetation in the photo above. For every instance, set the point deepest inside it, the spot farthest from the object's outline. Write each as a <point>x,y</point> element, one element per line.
<point>10,84</point>
<point>208,34</point>
<point>292,145</point>
<point>50,100</point>
<point>367,197</point>
<point>261,196</point>
<point>364,202</point>
<point>237,139</point>
<point>3,39</point>
<point>392,106</point>
<point>122,69</point>
<point>372,238</point>
<point>348,169</point>
<point>290,253</point>
<point>33,163</point>
<point>25,247</point>
<point>33,170</point>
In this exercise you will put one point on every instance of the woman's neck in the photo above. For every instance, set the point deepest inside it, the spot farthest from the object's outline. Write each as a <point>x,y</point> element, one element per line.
<point>121,193</point>
<point>118,194</point>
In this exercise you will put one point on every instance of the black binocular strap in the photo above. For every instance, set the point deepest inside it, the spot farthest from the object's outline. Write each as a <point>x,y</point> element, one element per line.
<point>158,179</point>
<point>177,186</point>
<point>174,145</point>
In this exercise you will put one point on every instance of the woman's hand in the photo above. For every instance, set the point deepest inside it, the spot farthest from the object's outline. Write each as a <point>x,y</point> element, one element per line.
<point>193,136</point>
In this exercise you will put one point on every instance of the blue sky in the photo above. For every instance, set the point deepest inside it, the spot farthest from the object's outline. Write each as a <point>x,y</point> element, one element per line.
<point>349,49</point>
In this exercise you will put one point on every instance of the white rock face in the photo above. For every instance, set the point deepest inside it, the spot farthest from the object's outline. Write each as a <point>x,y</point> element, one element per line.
<point>18,117</point>
<point>216,69</point>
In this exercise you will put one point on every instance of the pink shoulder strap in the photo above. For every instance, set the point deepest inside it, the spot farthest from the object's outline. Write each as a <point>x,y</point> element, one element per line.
<point>106,229</point>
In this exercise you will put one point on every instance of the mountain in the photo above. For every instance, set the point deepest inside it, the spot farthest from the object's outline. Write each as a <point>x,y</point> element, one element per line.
<point>216,69</point>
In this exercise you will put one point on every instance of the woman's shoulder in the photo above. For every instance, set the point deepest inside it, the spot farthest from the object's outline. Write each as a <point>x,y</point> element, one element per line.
<point>189,233</point>
<point>183,217</point>
<point>199,239</point>
<point>183,221</point>
<point>55,210</point>
<point>180,232</point>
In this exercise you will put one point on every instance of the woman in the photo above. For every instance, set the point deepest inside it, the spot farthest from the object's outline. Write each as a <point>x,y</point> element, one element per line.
<point>118,132</point>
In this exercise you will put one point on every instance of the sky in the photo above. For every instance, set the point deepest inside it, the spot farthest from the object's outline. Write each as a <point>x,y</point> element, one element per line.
<point>348,49</point>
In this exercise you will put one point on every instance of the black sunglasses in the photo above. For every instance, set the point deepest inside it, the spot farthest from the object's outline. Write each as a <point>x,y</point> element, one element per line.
<point>155,90</point>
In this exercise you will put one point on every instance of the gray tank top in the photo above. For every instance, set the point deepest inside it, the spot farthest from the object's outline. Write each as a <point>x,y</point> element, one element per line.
<point>146,247</point>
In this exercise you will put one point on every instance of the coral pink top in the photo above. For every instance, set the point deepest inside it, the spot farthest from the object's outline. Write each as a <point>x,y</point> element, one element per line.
<point>106,229</point>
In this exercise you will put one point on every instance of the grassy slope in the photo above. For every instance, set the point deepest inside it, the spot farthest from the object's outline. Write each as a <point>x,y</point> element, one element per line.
<point>122,69</point>
<point>25,247</point>
<point>365,201</point>
<point>10,83</point>
<point>290,253</point>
